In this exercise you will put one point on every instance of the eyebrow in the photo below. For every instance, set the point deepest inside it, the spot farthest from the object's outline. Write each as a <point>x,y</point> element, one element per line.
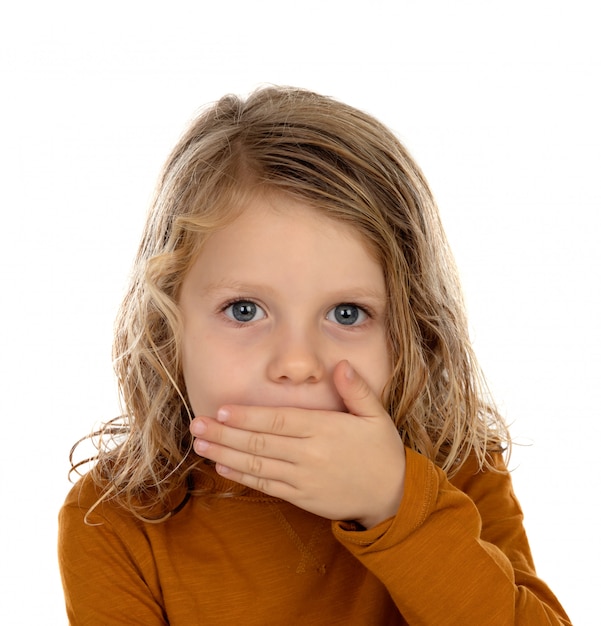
<point>235,285</point>
<point>343,294</point>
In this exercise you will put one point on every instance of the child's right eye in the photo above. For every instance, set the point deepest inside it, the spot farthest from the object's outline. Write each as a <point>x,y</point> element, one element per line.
<point>244,311</point>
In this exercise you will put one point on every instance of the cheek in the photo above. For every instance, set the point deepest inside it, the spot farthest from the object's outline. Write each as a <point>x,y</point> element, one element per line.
<point>214,375</point>
<point>198,372</point>
<point>202,385</point>
<point>378,366</point>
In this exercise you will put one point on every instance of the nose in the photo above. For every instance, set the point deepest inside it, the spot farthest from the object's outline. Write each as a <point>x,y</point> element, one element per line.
<point>295,357</point>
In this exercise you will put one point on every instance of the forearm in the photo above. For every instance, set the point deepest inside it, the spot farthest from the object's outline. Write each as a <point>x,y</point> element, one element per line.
<point>437,566</point>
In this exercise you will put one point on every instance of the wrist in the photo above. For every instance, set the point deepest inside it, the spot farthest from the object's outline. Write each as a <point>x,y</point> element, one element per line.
<point>384,514</point>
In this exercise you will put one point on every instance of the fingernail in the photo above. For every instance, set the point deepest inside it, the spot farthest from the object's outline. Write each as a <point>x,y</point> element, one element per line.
<point>349,372</point>
<point>223,415</point>
<point>198,428</point>
<point>200,445</point>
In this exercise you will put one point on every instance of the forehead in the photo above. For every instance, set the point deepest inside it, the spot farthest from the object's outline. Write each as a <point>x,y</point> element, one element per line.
<point>279,236</point>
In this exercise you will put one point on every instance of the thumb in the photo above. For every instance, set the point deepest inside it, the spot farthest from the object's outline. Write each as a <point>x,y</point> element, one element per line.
<point>357,395</point>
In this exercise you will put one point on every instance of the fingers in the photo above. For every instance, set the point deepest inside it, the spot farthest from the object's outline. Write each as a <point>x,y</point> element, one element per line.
<point>249,458</point>
<point>213,439</point>
<point>358,397</point>
<point>261,473</point>
<point>309,456</point>
<point>283,421</point>
<point>271,487</point>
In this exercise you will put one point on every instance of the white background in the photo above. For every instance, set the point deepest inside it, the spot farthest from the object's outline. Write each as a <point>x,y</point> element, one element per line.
<point>498,101</point>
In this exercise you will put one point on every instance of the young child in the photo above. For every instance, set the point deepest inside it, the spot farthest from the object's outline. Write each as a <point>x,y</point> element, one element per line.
<point>305,437</point>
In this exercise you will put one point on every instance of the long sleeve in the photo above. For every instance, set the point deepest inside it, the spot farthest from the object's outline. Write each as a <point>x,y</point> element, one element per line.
<point>456,552</point>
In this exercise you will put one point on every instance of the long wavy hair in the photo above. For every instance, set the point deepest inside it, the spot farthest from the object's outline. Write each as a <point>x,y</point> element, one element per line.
<point>352,168</point>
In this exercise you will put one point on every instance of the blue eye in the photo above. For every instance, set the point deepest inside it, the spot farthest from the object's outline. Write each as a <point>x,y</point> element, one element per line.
<point>347,314</point>
<point>244,311</point>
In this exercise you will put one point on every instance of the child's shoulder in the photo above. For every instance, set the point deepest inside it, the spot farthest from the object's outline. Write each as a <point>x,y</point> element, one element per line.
<point>489,486</point>
<point>94,497</point>
<point>84,492</point>
<point>87,498</point>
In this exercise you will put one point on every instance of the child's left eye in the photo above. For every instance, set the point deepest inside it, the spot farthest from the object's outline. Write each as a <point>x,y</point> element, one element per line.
<point>347,315</point>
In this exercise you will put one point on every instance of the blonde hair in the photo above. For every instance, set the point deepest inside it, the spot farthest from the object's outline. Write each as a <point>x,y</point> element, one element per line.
<point>349,166</point>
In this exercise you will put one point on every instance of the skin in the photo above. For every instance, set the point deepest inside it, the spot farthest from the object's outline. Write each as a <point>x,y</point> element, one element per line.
<point>285,357</point>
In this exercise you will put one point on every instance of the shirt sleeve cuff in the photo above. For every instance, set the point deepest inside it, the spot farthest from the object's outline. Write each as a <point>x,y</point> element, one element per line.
<point>421,487</point>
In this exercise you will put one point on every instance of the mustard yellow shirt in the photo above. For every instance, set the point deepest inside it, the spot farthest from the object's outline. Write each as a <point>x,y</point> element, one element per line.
<point>455,554</point>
